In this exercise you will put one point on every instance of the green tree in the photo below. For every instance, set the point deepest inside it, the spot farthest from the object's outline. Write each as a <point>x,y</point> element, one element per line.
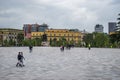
<point>1,42</point>
<point>26,42</point>
<point>88,39</point>
<point>20,38</point>
<point>44,37</point>
<point>6,43</point>
<point>50,42</point>
<point>54,43</point>
<point>12,42</point>
<point>101,40</point>
<point>36,42</point>
<point>63,41</point>
<point>115,39</point>
<point>79,43</point>
<point>97,39</point>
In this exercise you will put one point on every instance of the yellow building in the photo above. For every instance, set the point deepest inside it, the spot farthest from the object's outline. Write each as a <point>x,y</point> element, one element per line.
<point>58,34</point>
<point>8,34</point>
<point>112,33</point>
<point>36,34</point>
<point>116,32</point>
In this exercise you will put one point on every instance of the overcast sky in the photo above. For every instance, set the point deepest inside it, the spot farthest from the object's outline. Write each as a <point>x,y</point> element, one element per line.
<point>59,14</point>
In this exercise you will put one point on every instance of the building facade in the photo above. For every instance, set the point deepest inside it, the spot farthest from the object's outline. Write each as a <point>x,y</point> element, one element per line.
<point>36,35</point>
<point>99,28</point>
<point>112,27</point>
<point>58,34</point>
<point>9,34</point>
<point>28,28</point>
<point>118,23</point>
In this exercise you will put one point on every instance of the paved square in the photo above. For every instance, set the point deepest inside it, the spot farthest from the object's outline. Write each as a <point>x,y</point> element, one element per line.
<point>49,63</point>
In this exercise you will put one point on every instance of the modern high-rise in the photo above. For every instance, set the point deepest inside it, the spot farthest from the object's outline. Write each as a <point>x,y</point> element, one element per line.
<point>28,28</point>
<point>99,28</point>
<point>112,27</point>
<point>42,27</point>
<point>118,23</point>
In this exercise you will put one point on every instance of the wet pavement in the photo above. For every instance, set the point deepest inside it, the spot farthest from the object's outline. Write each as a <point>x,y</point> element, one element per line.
<point>49,63</point>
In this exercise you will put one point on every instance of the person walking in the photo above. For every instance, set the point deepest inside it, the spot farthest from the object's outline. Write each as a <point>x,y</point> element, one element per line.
<point>30,48</point>
<point>89,46</point>
<point>22,57</point>
<point>20,60</point>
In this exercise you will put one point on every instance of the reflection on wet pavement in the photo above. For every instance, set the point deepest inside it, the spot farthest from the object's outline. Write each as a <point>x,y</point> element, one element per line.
<point>49,63</point>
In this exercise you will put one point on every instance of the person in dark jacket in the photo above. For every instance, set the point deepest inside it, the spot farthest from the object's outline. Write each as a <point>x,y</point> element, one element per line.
<point>30,48</point>
<point>20,60</point>
<point>22,57</point>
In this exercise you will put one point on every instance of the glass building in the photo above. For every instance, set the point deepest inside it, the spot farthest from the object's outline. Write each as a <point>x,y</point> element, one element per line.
<point>112,26</point>
<point>99,28</point>
<point>42,27</point>
<point>28,28</point>
<point>118,23</point>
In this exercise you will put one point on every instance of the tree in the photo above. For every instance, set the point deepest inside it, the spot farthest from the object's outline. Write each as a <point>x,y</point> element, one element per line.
<point>97,39</point>
<point>50,41</point>
<point>20,38</point>
<point>79,43</point>
<point>44,37</point>
<point>101,40</point>
<point>88,39</point>
<point>54,43</point>
<point>37,41</point>
<point>115,39</point>
<point>26,42</point>
<point>63,41</point>
<point>6,43</point>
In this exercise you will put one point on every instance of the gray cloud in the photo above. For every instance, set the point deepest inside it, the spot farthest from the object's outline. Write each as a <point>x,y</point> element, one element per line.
<point>115,2</point>
<point>81,14</point>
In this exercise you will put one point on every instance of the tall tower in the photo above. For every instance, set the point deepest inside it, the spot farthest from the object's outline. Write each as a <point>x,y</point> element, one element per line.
<point>118,23</point>
<point>111,27</point>
<point>99,28</point>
